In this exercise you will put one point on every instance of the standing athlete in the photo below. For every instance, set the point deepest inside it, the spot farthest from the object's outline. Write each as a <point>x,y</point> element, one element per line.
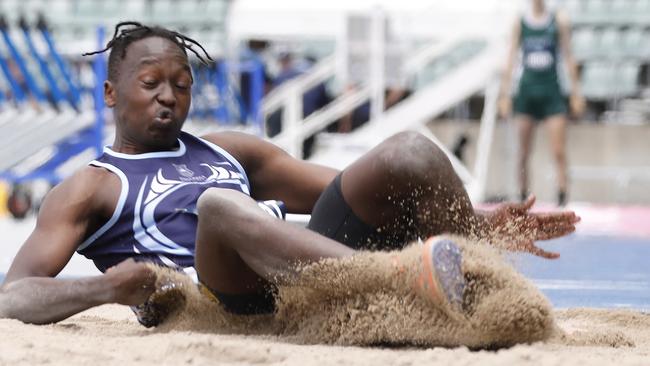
<point>541,35</point>
<point>201,205</point>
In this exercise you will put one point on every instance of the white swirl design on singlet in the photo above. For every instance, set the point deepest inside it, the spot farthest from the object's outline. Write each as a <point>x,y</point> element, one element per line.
<point>226,176</point>
<point>145,229</point>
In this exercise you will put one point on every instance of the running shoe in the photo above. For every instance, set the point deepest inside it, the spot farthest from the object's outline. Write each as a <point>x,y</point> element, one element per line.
<point>441,279</point>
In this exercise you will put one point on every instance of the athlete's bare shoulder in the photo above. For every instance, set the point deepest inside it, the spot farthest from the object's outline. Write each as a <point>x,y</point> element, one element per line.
<point>233,141</point>
<point>248,149</point>
<point>562,18</point>
<point>92,191</point>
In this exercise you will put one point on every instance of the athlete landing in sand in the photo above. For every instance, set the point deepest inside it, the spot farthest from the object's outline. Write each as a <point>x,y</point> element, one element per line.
<point>161,195</point>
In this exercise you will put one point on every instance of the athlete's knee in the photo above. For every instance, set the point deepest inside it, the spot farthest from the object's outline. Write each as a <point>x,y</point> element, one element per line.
<point>413,155</point>
<point>216,201</point>
<point>559,153</point>
<point>522,160</point>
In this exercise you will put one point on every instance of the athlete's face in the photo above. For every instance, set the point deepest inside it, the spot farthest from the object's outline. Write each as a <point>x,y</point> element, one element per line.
<point>152,94</point>
<point>538,3</point>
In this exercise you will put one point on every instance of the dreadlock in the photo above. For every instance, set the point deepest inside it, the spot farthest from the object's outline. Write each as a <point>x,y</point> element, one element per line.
<point>129,32</point>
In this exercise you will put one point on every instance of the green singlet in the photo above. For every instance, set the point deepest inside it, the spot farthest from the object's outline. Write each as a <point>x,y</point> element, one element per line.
<point>539,95</point>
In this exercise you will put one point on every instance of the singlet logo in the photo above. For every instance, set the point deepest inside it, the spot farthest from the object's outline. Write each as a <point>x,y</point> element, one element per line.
<point>183,170</point>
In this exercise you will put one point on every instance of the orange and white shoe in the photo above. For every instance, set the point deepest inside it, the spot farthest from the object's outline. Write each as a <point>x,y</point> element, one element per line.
<point>440,279</point>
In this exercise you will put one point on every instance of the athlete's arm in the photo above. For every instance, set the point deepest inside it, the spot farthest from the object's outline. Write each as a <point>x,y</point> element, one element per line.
<point>30,294</point>
<point>564,27</point>
<point>274,174</point>
<point>505,103</point>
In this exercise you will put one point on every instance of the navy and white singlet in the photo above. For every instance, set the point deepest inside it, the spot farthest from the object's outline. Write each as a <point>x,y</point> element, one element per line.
<point>155,218</point>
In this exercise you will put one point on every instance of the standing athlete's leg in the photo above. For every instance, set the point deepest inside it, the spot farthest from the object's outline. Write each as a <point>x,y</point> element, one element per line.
<point>526,128</point>
<point>557,135</point>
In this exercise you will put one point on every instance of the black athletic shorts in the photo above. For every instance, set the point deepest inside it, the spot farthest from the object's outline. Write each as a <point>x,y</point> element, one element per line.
<point>331,217</point>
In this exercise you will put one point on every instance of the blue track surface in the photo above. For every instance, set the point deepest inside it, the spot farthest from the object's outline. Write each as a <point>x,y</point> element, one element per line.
<point>604,272</point>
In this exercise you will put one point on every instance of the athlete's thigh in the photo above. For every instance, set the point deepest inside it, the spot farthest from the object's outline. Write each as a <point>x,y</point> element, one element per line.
<point>218,265</point>
<point>222,272</point>
<point>371,189</point>
<point>384,187</point>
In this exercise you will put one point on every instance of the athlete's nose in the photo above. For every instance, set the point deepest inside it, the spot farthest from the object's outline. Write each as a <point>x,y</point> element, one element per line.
<point>166,95</point>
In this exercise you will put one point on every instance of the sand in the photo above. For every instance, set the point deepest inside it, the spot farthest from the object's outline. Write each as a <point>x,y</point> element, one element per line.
<point>349,312</point>
<point>109,335</point>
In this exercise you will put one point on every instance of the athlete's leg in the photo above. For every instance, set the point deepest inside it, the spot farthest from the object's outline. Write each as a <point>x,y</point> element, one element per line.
<point>526,128</point>
<point>240,250</point>
<point>407,184</point>
<point>239,247</point>
<point>557,136</point>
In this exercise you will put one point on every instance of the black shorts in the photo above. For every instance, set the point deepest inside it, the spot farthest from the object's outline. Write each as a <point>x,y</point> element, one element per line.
<point>540,102</point>
<point>331,217</point>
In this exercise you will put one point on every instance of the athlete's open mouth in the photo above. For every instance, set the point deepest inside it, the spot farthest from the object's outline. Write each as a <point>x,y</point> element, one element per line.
<point>164,116</point>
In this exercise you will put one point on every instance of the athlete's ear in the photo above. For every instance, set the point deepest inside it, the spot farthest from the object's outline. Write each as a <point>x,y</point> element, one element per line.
<point>109,94</point>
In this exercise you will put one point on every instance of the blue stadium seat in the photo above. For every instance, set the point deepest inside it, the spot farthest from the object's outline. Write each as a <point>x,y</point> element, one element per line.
<point>609,45</point>
<point>598,11</point>
<point>610,80</point>
<point>60,11</point>
<point>640,10</point>
<point>635,44</point>
<point>627,79</point>
<point>216,11</point>
<point>584,42</point>
<point>163,11</point>
<point>12,9</point>
<point>134,8</point>
<point>620,11</point>
<point>576,11</point>
<point>597,79</point>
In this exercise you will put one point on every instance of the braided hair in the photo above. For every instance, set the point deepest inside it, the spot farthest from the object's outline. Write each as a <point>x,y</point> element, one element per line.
<point>129,32</point>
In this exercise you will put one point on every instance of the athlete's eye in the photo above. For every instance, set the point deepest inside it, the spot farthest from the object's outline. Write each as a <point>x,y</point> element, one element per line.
<point>149,83</point>
<point>183,86</point>
<point>183,83</point>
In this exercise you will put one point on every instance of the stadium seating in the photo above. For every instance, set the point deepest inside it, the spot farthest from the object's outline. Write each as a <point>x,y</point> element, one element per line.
<point>635,44</point>
<point>606,80</point>
<point>611,39</point>
<point>75,21</point>
<point>440,66</point>
<point>605,31</point>
<point>584,43</point>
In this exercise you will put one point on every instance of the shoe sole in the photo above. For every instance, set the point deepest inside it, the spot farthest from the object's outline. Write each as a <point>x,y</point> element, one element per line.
<point>442,277</point>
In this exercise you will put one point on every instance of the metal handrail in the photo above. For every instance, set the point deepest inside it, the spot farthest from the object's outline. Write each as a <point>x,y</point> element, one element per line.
<point>319,73</point>
<point>291,138</point>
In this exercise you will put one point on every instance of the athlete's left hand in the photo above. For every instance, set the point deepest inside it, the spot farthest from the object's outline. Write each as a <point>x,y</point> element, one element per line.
<point>514,225</point>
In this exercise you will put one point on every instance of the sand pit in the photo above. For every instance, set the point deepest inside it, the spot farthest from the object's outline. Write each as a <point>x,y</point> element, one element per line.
<point>110,335</point>
<point>351,315</point>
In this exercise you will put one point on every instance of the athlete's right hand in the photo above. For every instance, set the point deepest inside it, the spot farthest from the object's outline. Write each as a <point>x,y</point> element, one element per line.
<point>505,106</point>
<point>577,105</point>
<point>130,282</point>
